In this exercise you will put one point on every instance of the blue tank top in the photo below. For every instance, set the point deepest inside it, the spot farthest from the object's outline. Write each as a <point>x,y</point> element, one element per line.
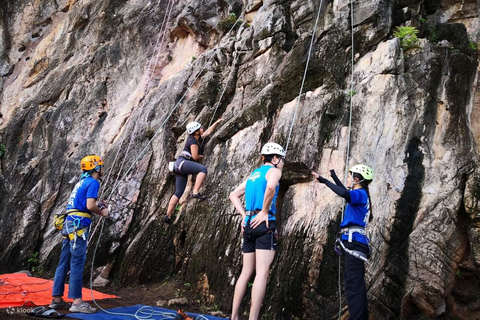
<point>357,213</point>
<point>255,191</point>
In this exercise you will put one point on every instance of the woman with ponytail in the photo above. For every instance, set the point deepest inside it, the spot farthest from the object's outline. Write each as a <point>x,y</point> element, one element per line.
<point>354,241</point>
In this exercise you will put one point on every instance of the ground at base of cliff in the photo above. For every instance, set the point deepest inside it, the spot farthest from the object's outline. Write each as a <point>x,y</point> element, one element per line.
<point>178,293</point>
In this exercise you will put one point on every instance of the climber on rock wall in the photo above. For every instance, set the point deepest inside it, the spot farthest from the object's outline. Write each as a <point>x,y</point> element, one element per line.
<point>187,164</point>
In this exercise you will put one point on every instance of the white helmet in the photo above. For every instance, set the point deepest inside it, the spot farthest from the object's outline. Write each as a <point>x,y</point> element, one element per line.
<point>193,126</point>
<point>273,148</point>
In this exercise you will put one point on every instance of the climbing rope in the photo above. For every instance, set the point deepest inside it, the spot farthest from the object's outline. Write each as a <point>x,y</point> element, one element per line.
<point>171,112</point>
<point>351,93</point>
<point>152,312</point>
<point>3,282</point>
<point>148,74</point>
<point>145,312</point>
<point>24,293</point>
<point>304,75</point>
<point>216,108</point>
<point>160,38</point>
<point>349,123</point>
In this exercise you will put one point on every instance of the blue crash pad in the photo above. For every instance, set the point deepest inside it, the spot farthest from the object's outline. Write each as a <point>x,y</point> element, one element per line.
<point>158,314</point>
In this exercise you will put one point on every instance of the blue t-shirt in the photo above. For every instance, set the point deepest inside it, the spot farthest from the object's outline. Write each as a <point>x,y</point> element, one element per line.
<point>357,213</point>
<point>255,192</point>
<point>84,189</point>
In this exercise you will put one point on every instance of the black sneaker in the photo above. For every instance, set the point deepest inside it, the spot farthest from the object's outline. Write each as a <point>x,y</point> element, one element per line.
<point>199,196</point>
<point>167,220</point>
<point>60,305</point>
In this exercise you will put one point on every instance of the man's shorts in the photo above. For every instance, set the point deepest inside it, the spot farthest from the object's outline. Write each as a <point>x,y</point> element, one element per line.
<point>260,238</point>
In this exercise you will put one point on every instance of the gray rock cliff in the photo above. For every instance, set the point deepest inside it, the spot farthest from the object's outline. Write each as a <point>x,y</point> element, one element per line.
<point>122,78</point>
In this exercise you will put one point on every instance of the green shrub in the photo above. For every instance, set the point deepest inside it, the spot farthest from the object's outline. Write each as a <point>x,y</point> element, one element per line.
<point>408,37</point>
<point>227,23</point>
<point>474,46</point>
<point>3,149</point>
<point>33,261</point>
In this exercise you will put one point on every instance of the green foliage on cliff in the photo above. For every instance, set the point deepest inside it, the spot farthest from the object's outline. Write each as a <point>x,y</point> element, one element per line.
<point>408,37</point>
<point>3,149</point>
<point>33,261</point>
<point>227,23</point>
<point>474,46</point>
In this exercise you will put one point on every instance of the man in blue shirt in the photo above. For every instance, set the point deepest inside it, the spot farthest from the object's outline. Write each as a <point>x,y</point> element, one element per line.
<point>258,226</point>
<point>80,207</point>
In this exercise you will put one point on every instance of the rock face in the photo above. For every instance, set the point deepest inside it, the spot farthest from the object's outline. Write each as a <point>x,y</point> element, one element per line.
<point>122,78</point>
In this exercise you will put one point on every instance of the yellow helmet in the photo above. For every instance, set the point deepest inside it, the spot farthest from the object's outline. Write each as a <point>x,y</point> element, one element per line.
<point>363,170</point>
<point>90,162</point>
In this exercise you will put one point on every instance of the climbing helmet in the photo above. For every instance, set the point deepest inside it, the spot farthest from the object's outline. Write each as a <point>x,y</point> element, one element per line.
<point>272,148</point>
<point>91,162</point>
<point>363,170</point>
<point>193,126</point>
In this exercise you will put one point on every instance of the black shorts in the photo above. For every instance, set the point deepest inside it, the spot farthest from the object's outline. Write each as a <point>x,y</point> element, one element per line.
<point>260,238</point>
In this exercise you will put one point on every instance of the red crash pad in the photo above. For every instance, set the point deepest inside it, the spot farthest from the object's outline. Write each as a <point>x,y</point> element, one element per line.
<point>17,288</point>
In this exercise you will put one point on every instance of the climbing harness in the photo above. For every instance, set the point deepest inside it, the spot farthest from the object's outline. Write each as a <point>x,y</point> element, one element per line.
<point>59,218</point>
<point>357,254</point>
<point>77,217</point>
<point>178,169</point>
<point>349,231</point>
<point>175,169</point>
<point>187,155</point>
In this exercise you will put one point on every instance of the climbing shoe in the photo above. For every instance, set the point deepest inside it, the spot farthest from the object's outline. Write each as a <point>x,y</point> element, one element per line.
<point>83,307</point>
<point>60,305</point>
<point>167,220</point>
<point>199,196</point>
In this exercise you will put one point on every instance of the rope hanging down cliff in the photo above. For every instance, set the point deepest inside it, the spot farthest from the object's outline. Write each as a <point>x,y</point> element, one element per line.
<point>349,122</point>
<point>348,152</point>
<point>304,75</point>
<point>115,186</point>
<point>147,75</point>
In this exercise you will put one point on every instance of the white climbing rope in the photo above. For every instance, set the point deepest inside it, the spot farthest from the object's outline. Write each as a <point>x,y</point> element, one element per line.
<point>304,75</point>
<point>171,112</point>
<point>148,74</point>
<point>351,94</point>
<point>151,312</point>
<point>349,123</point>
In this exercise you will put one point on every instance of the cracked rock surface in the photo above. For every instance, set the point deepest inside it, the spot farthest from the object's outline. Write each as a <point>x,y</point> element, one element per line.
<point>122,78</point>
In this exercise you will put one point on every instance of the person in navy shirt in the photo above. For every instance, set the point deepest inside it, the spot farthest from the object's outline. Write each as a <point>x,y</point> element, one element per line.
<point>258,226</point>
<point>80,208</point>
<point>354,240</point>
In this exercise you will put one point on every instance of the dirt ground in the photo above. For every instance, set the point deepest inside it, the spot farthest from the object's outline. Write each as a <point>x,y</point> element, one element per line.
<point>145,294</point>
